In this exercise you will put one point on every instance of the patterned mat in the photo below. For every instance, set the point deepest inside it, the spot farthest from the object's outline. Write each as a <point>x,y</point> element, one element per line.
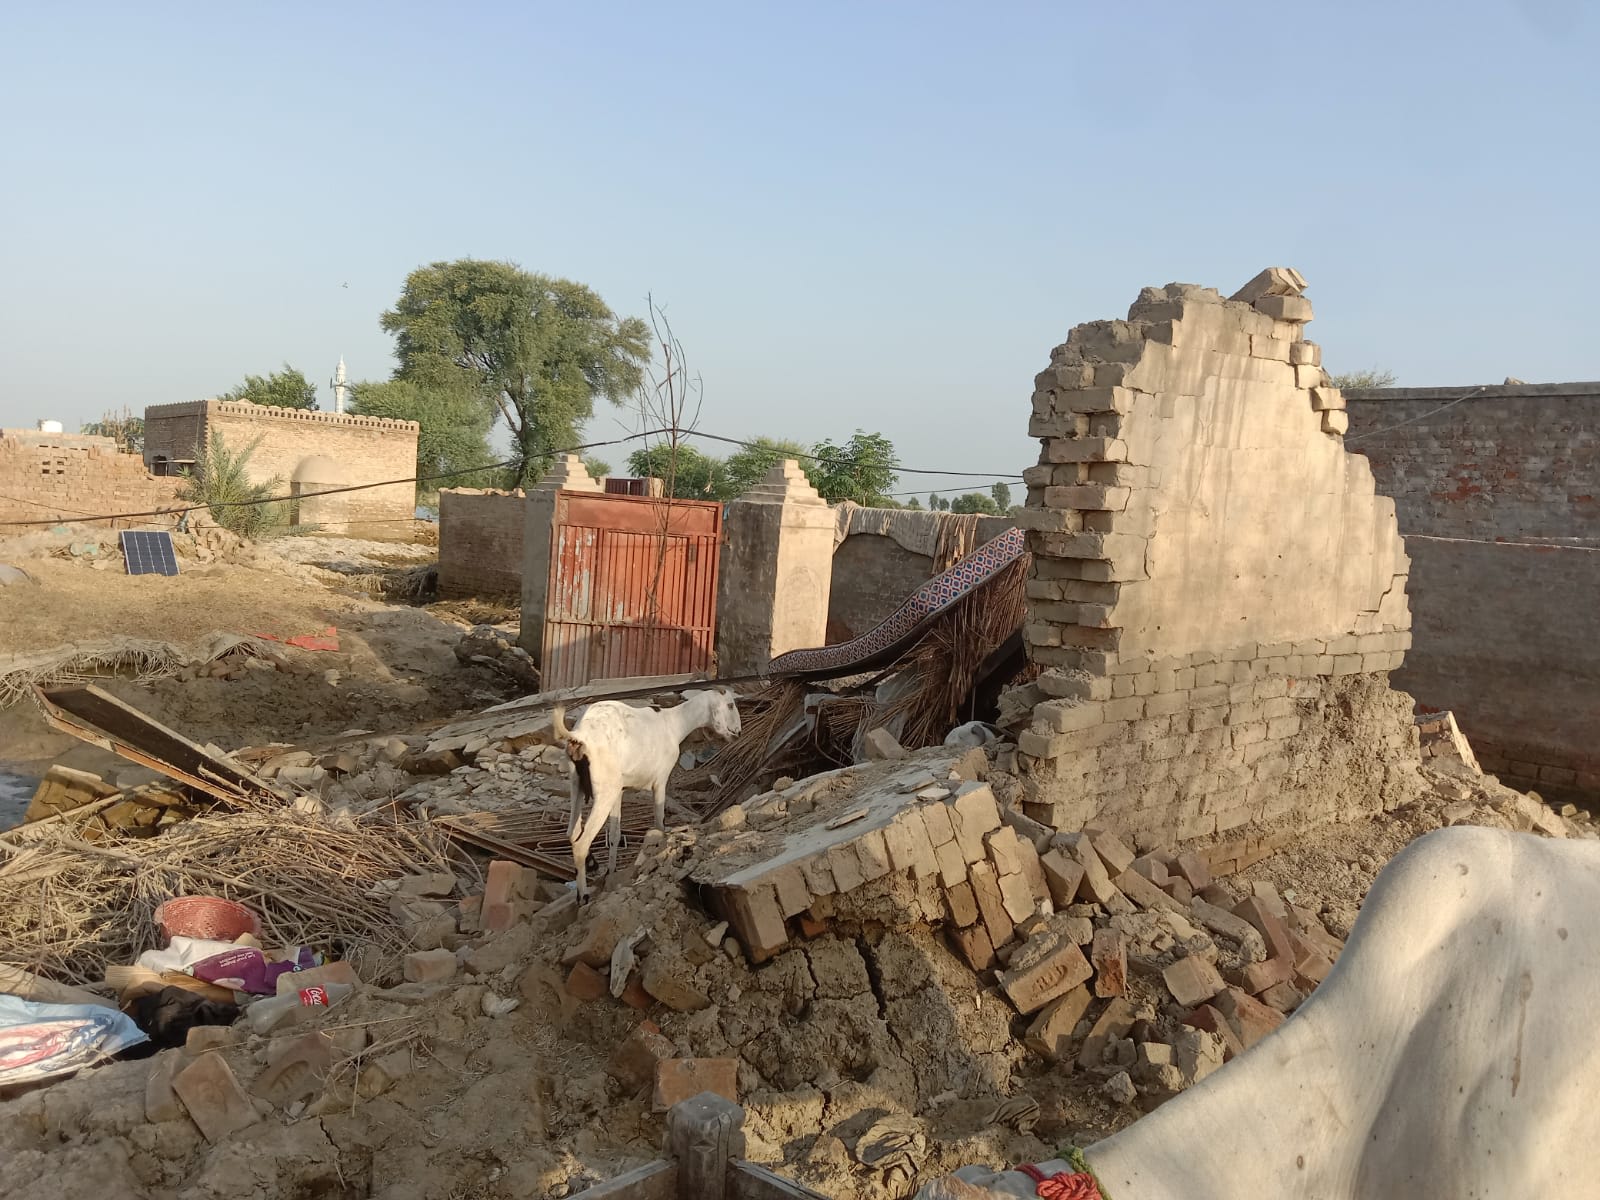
<point>927,602</point>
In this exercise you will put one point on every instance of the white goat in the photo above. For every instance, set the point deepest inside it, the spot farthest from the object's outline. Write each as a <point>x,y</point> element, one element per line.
<point>616,746</point>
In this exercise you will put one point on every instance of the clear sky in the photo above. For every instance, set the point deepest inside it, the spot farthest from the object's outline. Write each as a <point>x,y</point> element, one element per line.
<point>875,215</point>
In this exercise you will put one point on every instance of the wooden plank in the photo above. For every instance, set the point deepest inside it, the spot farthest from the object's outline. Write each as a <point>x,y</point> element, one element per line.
<point>747,1181</point>
<point>653,1181</point>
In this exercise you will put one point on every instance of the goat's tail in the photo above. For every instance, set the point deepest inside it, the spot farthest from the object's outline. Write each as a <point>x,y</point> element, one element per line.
<point>558,723</point>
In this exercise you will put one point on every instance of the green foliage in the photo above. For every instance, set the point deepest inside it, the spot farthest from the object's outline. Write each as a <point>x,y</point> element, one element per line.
<point>598,468</point>
<point>287,388</point>
<point>221,481</point>
<point>1354,380</point>
<point>974,502</point>
<point>695,476</point>
<point>937,503</point>
<point>539,350</point>
<point>863,470</point>
<point>454,433</point>
<point>749,465</point>
<point>913,504</point>
<point>1000,493</point>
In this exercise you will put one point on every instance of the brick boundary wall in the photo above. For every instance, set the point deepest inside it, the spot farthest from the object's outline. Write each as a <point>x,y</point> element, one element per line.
<point>1520,461</point>
<point>1498,495</point>
<point>480,541</point>
<point>46,477</point>
<point>1193,490</point>
<point>308,451</point>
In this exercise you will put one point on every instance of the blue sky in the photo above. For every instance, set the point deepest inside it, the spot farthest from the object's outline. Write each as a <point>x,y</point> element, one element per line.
<point>876,215</point>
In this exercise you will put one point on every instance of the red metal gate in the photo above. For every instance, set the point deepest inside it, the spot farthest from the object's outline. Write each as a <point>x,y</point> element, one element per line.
<point>633,588</point>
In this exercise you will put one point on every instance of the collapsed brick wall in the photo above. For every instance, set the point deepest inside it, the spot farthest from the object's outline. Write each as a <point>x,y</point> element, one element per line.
<point>1218,592</point>
<point>480,542</point>
<point>1498,496</point>
<point>49,478</point>
<point>308,451</point>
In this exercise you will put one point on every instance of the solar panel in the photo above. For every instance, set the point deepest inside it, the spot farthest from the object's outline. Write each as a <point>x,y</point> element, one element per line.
<point>149,553</point>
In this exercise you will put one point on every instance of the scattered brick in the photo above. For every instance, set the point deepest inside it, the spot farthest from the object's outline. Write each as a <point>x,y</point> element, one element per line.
<point>1192,981</point>
<point>1272,929</point>
<point>1096,885</point>
<point>1061,968</point>
<point>585,983</point>
<point>1256,978</point>
<point>1113,851</point>
<point>633,1063</point>
<point>1050,1034</point>
<point>1144,893</point>
<point>500,896</point>
<point>883,747</point>
<point>1210,1019</point>
<point>599,939</point>
<point>1194,871</point>
<point>1003,851</point>
<point>1113,1023</point>
<point>335,972</point>
<point>1250,1019</point>
<point>634,995</point>
<point>201,1038</point>
<point>974,946</point>
<point>1017,896</point>
<point>213,1097</point>
<point>1109,956</point>
<point>296,1070</point>
<point>1062,875</point>
<point>430,966</point>
<point>1284,997</point>
<point>1311,965</point>
<point>677,1079</point>
<point>1153,869</point>
<point>666,978</point>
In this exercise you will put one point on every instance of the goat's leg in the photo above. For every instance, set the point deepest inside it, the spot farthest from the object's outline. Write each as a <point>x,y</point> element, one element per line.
<point>598,816</point>
<point>613,838</point>
<point>661,804</point>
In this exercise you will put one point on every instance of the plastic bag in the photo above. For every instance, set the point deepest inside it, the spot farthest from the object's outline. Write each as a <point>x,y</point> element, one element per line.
<point>42,1041</point>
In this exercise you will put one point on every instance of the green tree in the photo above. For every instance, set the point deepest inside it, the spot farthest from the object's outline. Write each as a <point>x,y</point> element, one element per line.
<point>598,468</point>
<point>1352,381</point>
<point>749,465</point>
<point>454,433</point>
<point>1000,493</point>
<point>287,388</point>
<point>974,502</point>
<point>695,476</point>
<point>914,504</point>
<point>937,503</point>
<point>221,481</point>
<point>863,470</point>
<point>538,349</point>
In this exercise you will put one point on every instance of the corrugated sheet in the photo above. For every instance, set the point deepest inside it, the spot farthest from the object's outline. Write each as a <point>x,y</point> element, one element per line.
<point>633,588</point>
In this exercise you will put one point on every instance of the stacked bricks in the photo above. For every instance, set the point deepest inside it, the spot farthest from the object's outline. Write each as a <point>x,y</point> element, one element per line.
<point>55,477</point>
<point>945,838</point>
<point>1207,561</point>
<point>480,541</point>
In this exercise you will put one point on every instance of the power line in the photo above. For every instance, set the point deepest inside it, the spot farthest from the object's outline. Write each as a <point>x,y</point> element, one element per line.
<point>1415,419</point>
<point>358,487</point>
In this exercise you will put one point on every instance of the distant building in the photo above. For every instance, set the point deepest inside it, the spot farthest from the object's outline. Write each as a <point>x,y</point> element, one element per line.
<point>309,451</point>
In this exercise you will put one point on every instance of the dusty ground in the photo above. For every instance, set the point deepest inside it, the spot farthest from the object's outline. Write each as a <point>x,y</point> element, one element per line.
<point>395,665</point>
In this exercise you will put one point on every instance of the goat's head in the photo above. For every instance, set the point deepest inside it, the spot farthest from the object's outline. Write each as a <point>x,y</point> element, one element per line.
<point>722,712</point>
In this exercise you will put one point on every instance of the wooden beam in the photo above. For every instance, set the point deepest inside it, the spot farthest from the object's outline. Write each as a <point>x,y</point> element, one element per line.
<point>746,1181</point>
<point>653,1181</point>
